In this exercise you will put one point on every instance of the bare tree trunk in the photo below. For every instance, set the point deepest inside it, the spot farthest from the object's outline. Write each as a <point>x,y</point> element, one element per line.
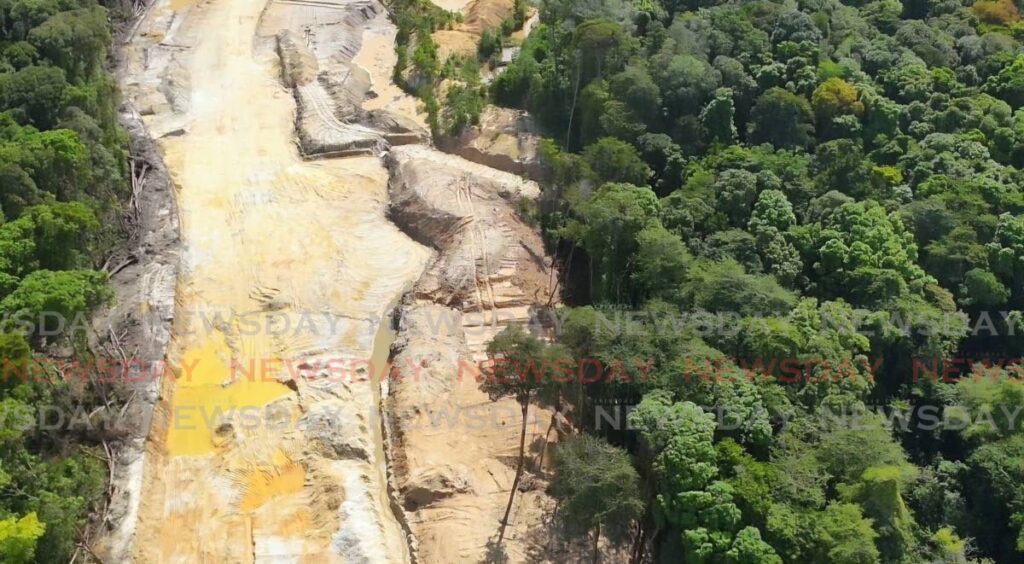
<point>539,462</point>
<point>638,542</point>
<point>579,400</point>
<point>597,537</point>
<point>572,108</point>
<point>591,289</point>
<point>519,474</point>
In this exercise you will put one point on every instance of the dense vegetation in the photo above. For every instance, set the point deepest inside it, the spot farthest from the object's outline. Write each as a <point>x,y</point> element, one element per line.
<point>451,91</point>
<point>62,160</point>
<point>766,184</point>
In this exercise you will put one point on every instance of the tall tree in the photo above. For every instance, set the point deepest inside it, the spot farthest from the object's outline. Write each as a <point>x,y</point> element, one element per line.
<point>781,118</point>
<point>521,366</point>
<point>597,488</point>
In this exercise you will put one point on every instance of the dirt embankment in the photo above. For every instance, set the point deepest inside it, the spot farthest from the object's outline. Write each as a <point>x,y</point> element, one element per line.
<point>329,87</point>
<point>477,16</point>
<point>456,451</point>
<point>505,139</point>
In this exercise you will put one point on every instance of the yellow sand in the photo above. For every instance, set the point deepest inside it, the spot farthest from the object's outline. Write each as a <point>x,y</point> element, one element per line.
<point>264,484</point>
<point>211,384</point>
<point>264,233</point>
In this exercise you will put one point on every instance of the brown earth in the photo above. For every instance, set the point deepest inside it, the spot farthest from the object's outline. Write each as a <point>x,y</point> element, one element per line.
<point>239,96</point>
<point>478,16</point>
<point>457,450</point>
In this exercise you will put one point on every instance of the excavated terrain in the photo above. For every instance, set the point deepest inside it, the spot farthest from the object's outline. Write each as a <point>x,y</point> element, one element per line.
<point>477,17</point>
<point>267,442</point>
<point>505,139</point>
<point>259,451</point>
<point>457,450</point>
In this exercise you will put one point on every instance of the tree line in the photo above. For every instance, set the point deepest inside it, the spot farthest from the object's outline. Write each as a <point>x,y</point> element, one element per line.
<point>62,177</point>
<point>790,164</point>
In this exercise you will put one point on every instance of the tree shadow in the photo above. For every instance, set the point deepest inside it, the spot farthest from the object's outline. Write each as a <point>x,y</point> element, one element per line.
<point>495,553</point>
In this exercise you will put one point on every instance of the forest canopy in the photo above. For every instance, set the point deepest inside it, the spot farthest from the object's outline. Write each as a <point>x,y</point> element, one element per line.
<point>62,178</point>
<point>839,182</point>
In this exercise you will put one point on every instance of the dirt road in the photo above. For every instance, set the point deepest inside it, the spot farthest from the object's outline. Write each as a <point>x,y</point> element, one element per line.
<point>286,265</point>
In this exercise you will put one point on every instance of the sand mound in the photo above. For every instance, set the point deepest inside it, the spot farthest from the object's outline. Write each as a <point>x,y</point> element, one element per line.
<point>486,14</point>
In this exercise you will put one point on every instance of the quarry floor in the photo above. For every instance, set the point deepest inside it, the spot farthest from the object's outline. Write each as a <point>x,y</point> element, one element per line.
<point>270,242</point>
<point>268,444</point>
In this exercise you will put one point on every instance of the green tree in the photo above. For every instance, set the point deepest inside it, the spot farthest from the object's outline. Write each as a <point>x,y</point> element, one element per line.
<point>597,488</point>
<point>836,97</point>
<point>771,218</point>
<point>686,82</point>
<point>982,288</point>
<point>723,286</point>
<point>717,118</point>
<point>462,106</point>
<point>18,538</point>
<point>616,161</point>
<point>736,244</point>
<point>1008,84</point>
<point>37,92</point>
<point>992,486</point>
<point>690,499</point>
<point>661,262</point>
<point>603,48</point>
<point>846,536</point>
<point>635,88</point>
<point>867,256</point>
<point>68,294</point>
<point>520,366</point>
<point>75,40</point>
<point>933,45</point>
<point>880,494</point>
<point>1006,251</point>
<point>781,118</point>
<point>607,228</point>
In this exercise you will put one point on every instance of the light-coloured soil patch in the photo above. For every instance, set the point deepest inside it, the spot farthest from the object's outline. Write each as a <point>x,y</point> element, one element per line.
<point>287,264</point>
<point>479,15</point>
<point>451,5</point>
<point>455,42</point>
<point>378,58</point>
